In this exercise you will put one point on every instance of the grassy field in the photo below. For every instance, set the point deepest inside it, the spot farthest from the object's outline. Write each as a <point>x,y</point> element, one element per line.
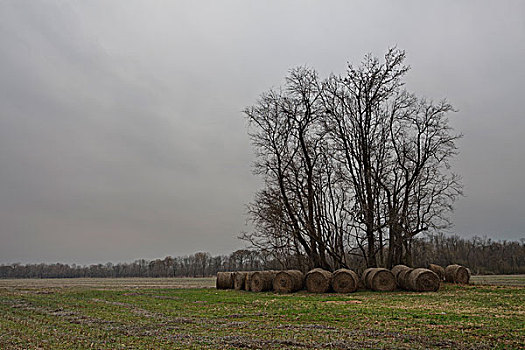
<point>191,314</point>
<point>505,280</point>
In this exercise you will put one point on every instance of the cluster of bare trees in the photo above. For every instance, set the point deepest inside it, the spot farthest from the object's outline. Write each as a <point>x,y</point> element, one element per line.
<point>481,255</point>
<point>195,265</point>
<point>352,164</point>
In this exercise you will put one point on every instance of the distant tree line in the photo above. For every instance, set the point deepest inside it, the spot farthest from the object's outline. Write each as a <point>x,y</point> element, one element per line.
<point>200,264</point>
<point>481,255</point>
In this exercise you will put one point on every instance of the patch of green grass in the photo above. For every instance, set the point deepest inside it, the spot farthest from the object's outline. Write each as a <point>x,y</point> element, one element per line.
<point>456,317</point>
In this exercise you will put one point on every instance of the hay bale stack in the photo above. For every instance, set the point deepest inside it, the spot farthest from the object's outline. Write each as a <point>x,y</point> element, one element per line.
<point>262,281</point>
<point>438,270</point>
<point>381,280</point>
<point>344,281</point>
<point>397,269</point>
<point>318,281</point>
<point>360,284</point>
<point>288,281</point>
<point>402,278</point>
<point>364,275</point>
<point>457,274</point>
<point>423,280</point>
<point>248,281</point>
<point>238,280</point>
<point>224,280</point>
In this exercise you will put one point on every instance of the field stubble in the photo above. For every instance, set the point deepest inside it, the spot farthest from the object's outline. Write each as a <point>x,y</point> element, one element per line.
<point>191,314</point>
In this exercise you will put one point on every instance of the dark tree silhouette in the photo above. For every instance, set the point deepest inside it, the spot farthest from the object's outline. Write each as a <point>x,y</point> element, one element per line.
<point>353,164</point>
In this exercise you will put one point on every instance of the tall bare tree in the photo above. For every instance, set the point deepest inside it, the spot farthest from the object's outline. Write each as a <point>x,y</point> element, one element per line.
<point>419,186</point>
<point>358,124</point>
<point>287,136</point>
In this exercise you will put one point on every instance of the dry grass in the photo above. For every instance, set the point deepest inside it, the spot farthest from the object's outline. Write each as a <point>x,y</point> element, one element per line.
<point>108,283</point>
<point>502,280</point>
<point>192,314</point>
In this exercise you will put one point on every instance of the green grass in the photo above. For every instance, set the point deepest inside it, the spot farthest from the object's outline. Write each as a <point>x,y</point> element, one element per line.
<point>161,314</point>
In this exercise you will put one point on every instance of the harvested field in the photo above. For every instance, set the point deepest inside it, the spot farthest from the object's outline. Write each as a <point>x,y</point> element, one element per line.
<point>145,314</point>
<point>502,280</point>
<point>108,283</point>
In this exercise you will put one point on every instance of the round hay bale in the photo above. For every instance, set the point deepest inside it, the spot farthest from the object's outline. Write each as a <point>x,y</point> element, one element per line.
<point>438,270</point>
<point>423,280</point>
<point>248,281</point>
<point>288,281</point>
<point>238,280</point>
<point>345,281</point>
<point>397,269</point>
<point>457,274</point>
<point>360,284</point>
<point>224,280</point>
<point>262,281</point>
<point>381,280</point>
<point>318,281</point>
<point>402,278</point>
<point>364,275</point>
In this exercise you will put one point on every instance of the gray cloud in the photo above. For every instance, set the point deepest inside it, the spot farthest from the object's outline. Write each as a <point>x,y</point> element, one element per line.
<point>121,135</point>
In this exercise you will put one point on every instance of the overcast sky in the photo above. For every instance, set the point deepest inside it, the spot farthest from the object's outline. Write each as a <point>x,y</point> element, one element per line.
<point>121,132</point>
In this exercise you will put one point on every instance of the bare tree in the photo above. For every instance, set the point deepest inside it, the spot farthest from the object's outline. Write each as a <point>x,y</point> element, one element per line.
<point>358,125</point>
<point>418,184</point>
<point>286,135</point>
<point>202,260</point>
